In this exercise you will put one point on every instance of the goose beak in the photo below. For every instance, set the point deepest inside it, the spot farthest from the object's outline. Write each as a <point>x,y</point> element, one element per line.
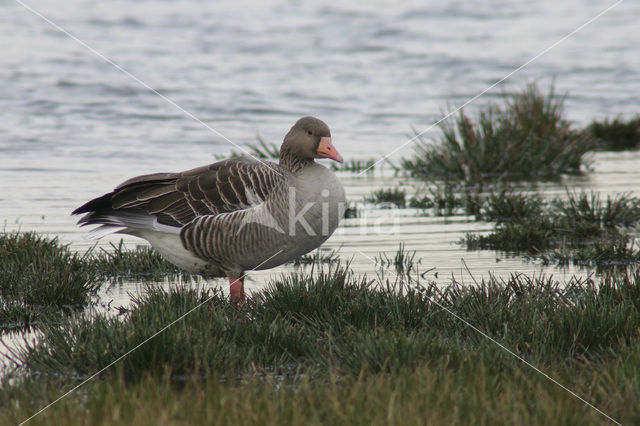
<point>326,150</point>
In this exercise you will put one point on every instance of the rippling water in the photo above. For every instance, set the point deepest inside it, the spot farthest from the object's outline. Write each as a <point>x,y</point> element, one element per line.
<point>73,126</point>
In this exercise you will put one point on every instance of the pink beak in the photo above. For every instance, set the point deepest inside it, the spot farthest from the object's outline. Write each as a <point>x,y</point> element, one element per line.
<point>326,150</point>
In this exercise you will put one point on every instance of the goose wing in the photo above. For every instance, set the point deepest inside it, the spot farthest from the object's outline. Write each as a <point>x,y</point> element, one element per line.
<point>176,199</point>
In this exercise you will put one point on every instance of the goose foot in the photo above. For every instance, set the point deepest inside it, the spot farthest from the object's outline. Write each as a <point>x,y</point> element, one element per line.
<point>236,287</point>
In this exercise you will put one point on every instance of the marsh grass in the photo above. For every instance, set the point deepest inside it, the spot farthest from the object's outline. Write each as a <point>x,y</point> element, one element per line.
<point>348,349</point>
<point>120,261</point>
<point>526,136</point>
<point>261,150</point>
<point>337,319</point>
<point>356,166</point>
<point>615,134</point>
<point>318,257</point>
<point>351,210</point>
<point>447,198</point>
<point>393,196</point>
<point>508,205</point>
<point>582,228</point>
<point>39,278</point>
<point>404,263</point>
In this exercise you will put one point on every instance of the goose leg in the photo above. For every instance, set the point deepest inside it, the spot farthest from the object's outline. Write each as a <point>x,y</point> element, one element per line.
<point>236,287</point>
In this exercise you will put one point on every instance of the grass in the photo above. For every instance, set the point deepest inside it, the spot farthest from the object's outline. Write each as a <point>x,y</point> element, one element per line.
<point>404,265</point>
<point>615,134</point>
<point>343,349</point>
<point>356,166</point>
<point>40,279</point>
<point>351,210</point>
<point>447,199</point>
<point>582,229</point>
<point>318,257</point>
<point>507,205</point>
<point>261,150</point>
<point>526,136</point>
<point>390,196</point>
<point>119,261</point>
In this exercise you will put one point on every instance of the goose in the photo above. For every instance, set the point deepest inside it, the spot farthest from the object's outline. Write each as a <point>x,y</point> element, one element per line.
<point>234,215</point>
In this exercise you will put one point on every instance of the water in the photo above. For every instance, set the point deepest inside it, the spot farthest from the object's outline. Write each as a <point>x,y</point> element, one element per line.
<point>73,126</point>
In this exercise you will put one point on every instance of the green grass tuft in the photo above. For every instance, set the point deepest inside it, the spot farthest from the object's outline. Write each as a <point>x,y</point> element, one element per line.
<point>447,199</point>
<point>392,196</point>
<point>261,149</point>
<point>356,166</point>
<point>527,136</point>
<point>39,278</point>
<point>118,262</point>
<point>617,134</point>
<point>318,257</point>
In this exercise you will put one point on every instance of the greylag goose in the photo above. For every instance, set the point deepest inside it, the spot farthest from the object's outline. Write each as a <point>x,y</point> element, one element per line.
<point>234,215</point>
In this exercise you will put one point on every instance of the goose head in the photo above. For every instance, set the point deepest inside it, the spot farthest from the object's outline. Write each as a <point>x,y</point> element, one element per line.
<point>308,139</point>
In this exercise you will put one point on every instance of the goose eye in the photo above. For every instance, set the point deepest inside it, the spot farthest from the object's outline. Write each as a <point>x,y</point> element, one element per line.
<point>309,132</point>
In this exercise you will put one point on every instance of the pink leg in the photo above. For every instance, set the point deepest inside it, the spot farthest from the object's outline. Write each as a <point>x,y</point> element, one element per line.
<point>236,287</point>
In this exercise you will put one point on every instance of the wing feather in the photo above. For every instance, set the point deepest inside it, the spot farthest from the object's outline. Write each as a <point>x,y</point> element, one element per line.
<point>176,199</point>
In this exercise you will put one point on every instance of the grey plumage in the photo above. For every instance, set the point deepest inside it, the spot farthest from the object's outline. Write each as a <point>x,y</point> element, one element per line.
<point>232,215</point>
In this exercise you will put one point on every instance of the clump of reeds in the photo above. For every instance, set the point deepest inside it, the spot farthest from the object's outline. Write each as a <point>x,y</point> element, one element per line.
<point>526,136</point>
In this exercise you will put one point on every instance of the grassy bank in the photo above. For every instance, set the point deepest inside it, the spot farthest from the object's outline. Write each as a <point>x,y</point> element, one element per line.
<point>344,349</point>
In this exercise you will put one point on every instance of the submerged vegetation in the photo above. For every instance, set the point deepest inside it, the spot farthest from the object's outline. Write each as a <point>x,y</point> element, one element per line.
<point>356,166</point>
<point>317,257</point>
<point>527,136</point>
<point>339,348</point>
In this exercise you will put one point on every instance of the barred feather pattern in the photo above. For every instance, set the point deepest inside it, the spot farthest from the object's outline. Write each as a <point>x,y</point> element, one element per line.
<point>234,214</point>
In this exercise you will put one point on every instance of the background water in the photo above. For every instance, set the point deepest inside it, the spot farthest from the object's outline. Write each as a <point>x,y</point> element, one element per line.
<point>72,126</point>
